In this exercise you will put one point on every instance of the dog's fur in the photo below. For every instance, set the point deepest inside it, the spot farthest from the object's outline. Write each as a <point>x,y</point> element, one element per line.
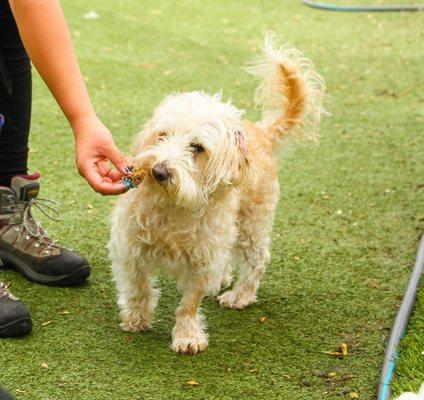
<point>215,201</point>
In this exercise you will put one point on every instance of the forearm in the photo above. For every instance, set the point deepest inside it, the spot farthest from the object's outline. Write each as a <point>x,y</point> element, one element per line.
<point>46,37</point>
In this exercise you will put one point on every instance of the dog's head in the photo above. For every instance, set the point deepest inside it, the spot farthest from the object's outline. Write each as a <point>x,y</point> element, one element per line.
<point>192,148</point>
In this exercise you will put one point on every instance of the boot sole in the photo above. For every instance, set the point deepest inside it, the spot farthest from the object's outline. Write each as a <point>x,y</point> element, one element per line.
<point>19,327</point>
<point>75,278</point>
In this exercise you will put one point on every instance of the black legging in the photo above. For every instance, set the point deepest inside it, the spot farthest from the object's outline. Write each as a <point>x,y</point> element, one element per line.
<point>15,98</point>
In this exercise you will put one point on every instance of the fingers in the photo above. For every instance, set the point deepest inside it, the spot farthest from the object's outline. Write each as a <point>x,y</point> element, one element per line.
<point>118,159</point>
<point>105,170</point>
<point>103,185</point>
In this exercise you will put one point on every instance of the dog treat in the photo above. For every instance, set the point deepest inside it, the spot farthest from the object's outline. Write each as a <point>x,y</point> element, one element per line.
<point>134,178</point>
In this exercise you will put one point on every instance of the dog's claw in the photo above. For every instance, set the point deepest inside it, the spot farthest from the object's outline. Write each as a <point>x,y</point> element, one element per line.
<point>235,299</point>
<point>189,346</point>
<point>138,325</point>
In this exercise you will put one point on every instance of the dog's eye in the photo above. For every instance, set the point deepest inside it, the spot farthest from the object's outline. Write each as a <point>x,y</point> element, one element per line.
<point>198,148</point>
<point>160,136</point>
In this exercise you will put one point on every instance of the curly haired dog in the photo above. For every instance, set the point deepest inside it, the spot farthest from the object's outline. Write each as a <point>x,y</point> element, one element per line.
<point>210,191</point>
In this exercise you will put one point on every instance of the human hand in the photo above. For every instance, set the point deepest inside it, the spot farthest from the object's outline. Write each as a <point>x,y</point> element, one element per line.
<point>95,147</point>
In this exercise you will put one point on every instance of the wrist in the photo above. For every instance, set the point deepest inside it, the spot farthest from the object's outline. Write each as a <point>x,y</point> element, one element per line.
<point>83,122</point>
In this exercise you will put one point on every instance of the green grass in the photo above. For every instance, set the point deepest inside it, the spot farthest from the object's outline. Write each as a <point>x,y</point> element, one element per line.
<point>334,277</point>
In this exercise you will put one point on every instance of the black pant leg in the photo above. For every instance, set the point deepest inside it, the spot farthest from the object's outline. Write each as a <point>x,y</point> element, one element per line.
<point>15,98</point>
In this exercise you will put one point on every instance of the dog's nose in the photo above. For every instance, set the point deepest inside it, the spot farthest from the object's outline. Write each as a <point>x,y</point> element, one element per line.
<point>160,172</point>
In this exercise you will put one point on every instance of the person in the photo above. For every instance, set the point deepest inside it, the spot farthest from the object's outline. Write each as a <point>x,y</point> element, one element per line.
<point>36,30</point>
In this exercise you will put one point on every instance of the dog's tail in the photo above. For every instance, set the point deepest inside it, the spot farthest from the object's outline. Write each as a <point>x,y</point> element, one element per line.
<point>291,92</point>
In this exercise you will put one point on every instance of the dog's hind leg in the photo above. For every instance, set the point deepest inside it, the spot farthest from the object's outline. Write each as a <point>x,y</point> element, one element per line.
<point>227,276</point>
<point>137,296</point>
<point>255,226</point>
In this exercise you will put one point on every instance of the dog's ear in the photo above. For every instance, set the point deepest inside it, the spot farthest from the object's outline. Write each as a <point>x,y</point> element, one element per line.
<point>242,143</point>
<point>144,138</point>
<point>245,168</point>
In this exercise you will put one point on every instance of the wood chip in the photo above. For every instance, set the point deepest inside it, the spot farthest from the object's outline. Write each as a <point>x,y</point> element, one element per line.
<point>46,323</point>
<point>334,353</point>
<point>192,383</point>
<point>64,312</point>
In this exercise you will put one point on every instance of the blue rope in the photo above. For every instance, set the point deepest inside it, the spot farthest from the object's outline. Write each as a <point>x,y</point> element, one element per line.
<point>382,8</point>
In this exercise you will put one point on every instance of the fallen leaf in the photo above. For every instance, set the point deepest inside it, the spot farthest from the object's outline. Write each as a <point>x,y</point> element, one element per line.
<point>353,395</point>
<point>263,319</point>
<point>374,284</point>
<point>192,383</point>
<point>343,348</point>
<point>332,374</point>
<point>44,365</point>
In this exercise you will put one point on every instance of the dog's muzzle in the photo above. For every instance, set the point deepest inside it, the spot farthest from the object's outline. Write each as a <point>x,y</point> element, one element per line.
<point>160,172</point>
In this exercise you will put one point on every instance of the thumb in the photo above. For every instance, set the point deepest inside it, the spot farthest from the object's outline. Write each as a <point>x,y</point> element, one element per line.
<point>118,159</point>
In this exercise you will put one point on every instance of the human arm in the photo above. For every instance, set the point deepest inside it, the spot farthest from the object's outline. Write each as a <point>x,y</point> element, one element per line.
<point>44,32</point>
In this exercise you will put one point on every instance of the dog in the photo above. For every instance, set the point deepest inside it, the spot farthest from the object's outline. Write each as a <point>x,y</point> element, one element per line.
<point>412,396</point>
<point>209,193</point>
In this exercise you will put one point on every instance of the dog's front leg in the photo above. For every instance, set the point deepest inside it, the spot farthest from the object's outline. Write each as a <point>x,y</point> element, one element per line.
<point>137,295</point>
<point>188,335</point>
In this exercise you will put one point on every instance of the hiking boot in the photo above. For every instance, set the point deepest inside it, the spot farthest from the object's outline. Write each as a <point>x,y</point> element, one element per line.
<point>25,245</point>
<point>14,317</point>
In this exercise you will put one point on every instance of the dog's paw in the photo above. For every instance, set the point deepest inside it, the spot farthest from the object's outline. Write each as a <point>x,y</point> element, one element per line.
<point>135,325</point>
<point>190,345</point>
<point>236,299</point>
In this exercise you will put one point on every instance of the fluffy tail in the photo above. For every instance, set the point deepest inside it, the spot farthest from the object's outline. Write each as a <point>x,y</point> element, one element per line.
<point>291,93</point>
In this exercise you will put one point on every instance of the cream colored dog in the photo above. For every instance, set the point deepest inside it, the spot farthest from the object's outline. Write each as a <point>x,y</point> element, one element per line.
<point>210,189</point>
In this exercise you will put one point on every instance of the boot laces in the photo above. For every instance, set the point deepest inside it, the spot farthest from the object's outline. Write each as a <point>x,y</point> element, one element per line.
<point>3,289</point>
<point>32,227</point>
<point>5,292</point>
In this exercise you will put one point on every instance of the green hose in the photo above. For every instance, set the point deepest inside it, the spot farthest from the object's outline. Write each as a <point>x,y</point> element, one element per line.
<point>382,8</point>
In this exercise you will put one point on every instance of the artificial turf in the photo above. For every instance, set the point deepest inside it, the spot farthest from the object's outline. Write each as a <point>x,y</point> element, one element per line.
<point>345,237</point>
